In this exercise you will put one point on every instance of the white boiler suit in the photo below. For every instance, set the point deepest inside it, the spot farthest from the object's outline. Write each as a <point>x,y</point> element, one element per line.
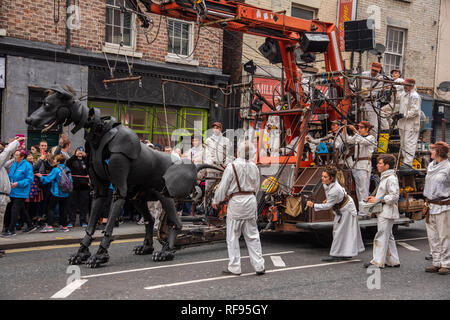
<point>372,87</point>
<point>218,152</point>
<point>409,126</point>
<point>388,110</point>
<point>364,147</point>
<point>347,240</point>
<point>437,186</point>
<point>241,213</point>
<point>384,247</point>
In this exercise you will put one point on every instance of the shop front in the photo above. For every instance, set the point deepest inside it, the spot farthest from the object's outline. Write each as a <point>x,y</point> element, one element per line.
<point>155,123</point>
<point>160,107</point>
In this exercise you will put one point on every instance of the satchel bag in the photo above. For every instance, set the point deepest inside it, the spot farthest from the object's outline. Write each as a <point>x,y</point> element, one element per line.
<point>293,206</point>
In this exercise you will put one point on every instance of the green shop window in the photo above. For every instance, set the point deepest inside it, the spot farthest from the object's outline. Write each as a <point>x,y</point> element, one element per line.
<point>165,121</point>
<point>106,108</point>
<point>138,118</point>
<point>194,119</point>
<point>189,119</point>
<point>155,123</point>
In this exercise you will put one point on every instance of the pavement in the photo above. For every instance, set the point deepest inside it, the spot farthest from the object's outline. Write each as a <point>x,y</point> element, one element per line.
<point>294,271</point>
<point>126,230</point>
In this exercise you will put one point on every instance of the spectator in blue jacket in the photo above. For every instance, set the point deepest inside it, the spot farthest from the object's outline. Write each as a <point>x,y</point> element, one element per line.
<point>21,178</point>
<point>57,196</point>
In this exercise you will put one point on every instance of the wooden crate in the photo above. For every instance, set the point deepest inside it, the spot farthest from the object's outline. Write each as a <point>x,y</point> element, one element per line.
<point>418,215</point>
<point>411,205</point>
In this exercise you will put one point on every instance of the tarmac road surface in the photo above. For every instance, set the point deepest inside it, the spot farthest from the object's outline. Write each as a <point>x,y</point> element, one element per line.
<point>294,270</point>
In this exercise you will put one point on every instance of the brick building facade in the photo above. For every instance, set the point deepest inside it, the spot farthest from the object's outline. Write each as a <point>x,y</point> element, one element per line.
<point>416,22</point>
<point>409,31</point>
<point>39,51</point>
<point>35,57</point>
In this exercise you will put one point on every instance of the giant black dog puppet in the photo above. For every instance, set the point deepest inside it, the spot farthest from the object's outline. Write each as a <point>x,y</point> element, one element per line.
<point>117,156</point>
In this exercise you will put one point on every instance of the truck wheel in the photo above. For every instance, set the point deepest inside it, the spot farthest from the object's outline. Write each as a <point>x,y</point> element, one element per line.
<point>371,231</point>
<point>395,229</point>
<point>323,239</point>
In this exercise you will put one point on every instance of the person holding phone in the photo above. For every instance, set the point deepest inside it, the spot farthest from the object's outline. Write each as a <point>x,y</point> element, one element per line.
<point>5,185</point>
<point>18,137</point>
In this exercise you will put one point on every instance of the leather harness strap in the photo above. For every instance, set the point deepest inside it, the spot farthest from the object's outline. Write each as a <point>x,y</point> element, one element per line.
<point>440,202</point>
<point>239,185</point>
<point>338,206</point>
<point>435,201</point>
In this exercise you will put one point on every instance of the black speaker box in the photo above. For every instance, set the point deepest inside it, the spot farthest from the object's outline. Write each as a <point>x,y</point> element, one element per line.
<point>270,49</point>
<point>315,42</point>
<point>359,35</point>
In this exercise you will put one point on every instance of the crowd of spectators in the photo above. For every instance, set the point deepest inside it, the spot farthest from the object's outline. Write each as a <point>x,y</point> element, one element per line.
<point>30,198</point>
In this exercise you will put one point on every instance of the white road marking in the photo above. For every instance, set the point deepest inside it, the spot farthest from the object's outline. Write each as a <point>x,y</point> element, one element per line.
<point>174,265</point>
<point>69,289</point>
<point>407,246</point>
<point>244,275</point>
<point>411,239</point>
<point>59,246</point>
<point>277,261</point>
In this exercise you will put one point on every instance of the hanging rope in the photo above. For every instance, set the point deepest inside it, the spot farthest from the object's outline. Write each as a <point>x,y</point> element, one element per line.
<point>163,83</point>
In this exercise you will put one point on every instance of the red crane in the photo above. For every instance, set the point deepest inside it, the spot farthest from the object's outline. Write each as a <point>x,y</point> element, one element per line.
<point>284,34</point>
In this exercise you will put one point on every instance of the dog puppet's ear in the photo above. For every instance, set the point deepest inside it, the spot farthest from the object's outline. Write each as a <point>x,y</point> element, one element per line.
<point>70,89</point>
<point>64,92</point>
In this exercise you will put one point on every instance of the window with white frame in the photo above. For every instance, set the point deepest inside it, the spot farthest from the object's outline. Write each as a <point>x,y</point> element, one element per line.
<point>119,25</point>
<point>181,37</point>
<point>303,12</point>
<point>395,47</point>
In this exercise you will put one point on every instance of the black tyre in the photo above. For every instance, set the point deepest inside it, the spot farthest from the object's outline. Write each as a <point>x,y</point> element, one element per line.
<point>395,229</point>
<point>323,239</point>
<point>371,231</point>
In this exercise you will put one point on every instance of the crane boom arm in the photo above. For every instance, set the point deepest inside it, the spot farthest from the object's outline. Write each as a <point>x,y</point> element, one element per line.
<point>285,32</point>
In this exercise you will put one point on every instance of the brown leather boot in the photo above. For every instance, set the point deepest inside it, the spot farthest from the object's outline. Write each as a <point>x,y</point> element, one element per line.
<point>444,270</point>
<point>432,269</point>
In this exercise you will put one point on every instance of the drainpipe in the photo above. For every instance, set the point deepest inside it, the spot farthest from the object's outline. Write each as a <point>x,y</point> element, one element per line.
<point>443,126</point>
<point>67,27</point>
